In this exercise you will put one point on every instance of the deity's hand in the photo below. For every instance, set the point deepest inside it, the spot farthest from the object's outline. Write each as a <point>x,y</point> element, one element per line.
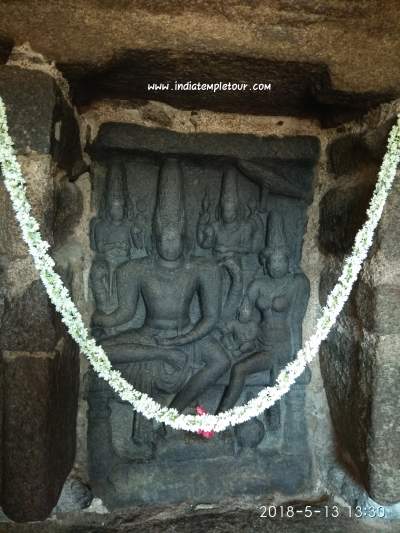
<point>172,341</point>
<point>228,260</point>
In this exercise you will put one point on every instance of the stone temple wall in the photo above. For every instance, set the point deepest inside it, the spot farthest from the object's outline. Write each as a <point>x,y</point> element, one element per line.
<point>350,402</point>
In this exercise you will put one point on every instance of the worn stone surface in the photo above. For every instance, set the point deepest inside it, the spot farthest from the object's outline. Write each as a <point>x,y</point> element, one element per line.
<point>39,118</point>
<point>342,213</point>
<point>39,410</point>
<point>74,496</point>
<point>256,40</point>
<point>5,48</point>
<point>29,321</point>
<point>359,360</point>
<point>347,154</point>
<point>303,149</point>
<point>40,366</point>
<point>230,517</point>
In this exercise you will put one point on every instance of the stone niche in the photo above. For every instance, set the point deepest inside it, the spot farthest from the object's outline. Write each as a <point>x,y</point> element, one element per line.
<point>199,300</point>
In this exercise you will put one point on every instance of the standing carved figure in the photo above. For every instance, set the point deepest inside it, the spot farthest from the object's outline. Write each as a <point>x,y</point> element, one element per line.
<point>168,282</point>
<point>113,235</point>
<point>280,297</point>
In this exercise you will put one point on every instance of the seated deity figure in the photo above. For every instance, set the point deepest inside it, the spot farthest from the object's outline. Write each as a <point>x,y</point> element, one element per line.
<point>231,234</point>
<point>280,297</point>
<point>167,282</point>
<point>113,235</point>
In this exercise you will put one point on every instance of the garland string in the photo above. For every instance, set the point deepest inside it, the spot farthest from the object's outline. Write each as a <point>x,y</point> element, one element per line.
<point>141,402</point>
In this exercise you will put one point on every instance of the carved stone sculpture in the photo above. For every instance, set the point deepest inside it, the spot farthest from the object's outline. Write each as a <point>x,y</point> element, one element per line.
<point>168,281</point>
<point>113,234</point>
<point>232,234</point>
<point>199,301</point>
<point>281,298</point>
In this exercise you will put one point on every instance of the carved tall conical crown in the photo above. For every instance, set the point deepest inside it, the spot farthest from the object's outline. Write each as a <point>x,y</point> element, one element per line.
<point>229,188</point>
<point>170,209</point>
<point>116,183</point>
<point>276,238</point>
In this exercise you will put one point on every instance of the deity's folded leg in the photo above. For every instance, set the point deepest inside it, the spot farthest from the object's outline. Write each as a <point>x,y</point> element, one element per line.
<point>136,353</point>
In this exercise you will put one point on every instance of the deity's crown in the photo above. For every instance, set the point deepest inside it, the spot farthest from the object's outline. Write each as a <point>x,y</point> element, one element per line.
<point>170,210</point>
<point>276,237</point>
<point>116,183</point>
<point>229,187</point>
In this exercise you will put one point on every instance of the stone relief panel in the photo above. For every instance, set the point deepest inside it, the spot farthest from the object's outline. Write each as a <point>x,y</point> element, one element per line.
<point>199,300</point>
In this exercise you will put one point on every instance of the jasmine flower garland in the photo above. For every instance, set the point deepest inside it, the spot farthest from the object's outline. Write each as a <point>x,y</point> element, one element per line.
<point>141,402</point>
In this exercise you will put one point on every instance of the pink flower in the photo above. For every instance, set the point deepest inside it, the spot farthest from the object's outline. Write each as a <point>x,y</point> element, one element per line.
<point>206,434</point>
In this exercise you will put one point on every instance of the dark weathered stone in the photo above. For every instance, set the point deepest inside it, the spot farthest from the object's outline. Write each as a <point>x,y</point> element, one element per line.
<point>118,136</point>
<point>342,213</point>
<point>39,118</point>
<point>211,246</point>
<point>360,359</point>
<point>347,154</point>
<point>28,322</point>
<point>5,48</point>
<point>294,43</point>
<point>39,411</point>
<point>74,496</point>
<point>68,210</point>
<point>379,308</point>
<point>40,363</point>
<point>225,517</point>
<point>297,88</point>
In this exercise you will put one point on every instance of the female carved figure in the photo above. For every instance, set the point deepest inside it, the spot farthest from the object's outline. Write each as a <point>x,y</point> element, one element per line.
<point>280,297</point>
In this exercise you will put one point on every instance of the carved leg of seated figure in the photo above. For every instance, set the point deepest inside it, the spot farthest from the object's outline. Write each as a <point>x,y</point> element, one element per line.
<point>256,362</point>
<point>135,353</point>
<point>216,363</point>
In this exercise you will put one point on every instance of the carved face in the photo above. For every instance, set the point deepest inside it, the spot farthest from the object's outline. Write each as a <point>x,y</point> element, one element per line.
<point>229,211</point>
<point>170,244</point>
<point>116,210</point>
<point>277,264</point>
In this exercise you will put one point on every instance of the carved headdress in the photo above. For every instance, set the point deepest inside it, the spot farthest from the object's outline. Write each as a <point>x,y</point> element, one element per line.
<point>117,189</point>
<point>229,191</point>
<point>170,209</point>
<point>276,237</point>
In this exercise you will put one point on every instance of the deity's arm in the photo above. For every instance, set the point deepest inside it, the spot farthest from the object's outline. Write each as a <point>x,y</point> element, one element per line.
<point>252,294</point>
<point>93,236</point>
<point>128,294</point>
<point>235,289</point>
<point>298,307</point>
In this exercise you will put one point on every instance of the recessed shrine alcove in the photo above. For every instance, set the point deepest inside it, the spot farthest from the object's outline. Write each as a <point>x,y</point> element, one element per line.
<point>238,204</point>
<point>199,233</point>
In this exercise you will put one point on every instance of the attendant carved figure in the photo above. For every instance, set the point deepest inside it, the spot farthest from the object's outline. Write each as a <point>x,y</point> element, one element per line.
<point>280,298</point>
<point>113,236</point>
<point>168,282</point>
<point>231,234</point>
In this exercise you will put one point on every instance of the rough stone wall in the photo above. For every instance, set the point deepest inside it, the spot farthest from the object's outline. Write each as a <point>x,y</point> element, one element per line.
<point>354,431</point>
<point>39,361</point>
<point>359,361</point>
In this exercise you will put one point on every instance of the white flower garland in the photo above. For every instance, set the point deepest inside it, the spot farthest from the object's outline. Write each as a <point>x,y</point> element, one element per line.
<point>141,402</point>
